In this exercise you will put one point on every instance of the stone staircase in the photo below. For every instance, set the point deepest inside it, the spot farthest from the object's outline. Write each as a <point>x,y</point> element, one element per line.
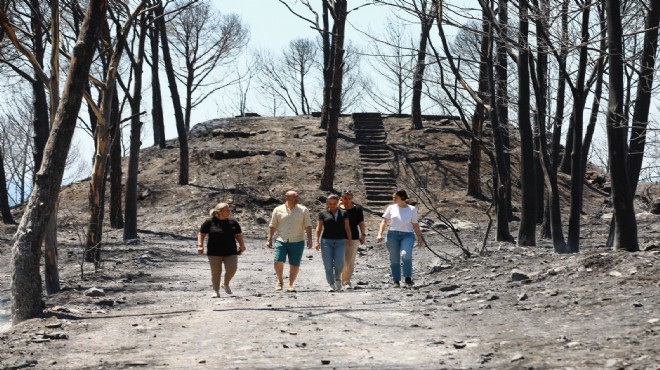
<point>375,157</point>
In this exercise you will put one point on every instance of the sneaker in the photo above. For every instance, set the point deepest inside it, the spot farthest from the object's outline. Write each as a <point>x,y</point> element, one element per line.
<point>278,286</point>
<point>396,284</point>
<point>409,281</point>
<point>331,289</point>
<point>348,285</point>
<point>290,289</point>
<point>215,294</point>
<point>337,285</point>
<point>227,289</point>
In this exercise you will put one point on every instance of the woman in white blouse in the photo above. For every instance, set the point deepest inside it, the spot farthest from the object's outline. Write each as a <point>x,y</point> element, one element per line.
<point>403,226</point>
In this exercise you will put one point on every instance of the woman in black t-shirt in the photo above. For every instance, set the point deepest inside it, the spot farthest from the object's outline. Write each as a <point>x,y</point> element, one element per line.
<point>223,234</point>
<point>332,234</point>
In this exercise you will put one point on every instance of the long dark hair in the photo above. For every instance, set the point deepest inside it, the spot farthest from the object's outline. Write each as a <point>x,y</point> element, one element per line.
<point>401,194</point>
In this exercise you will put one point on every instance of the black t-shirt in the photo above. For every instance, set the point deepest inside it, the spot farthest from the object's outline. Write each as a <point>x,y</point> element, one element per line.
<point>333,229</point>
<point>221,236</point>
<point>355,216</point>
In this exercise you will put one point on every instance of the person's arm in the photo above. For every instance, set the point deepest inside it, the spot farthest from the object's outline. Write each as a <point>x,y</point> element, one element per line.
<point>308,229</point>
<point>381,229</point>
<point>307,222</point>
<point>241,243</point>
<point>271,232</point>
<point>272,228</point>
<point>200,243</point>
<point>347,228</point>
<point>363,232</point>
<point>319,229</point>
<point>418,233</point>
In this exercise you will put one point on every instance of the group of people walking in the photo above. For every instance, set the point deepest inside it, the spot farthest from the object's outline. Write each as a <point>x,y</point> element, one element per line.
<point>340,229</point>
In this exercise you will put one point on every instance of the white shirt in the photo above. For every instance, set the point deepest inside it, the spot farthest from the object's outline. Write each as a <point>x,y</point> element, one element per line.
<point>401,218</point>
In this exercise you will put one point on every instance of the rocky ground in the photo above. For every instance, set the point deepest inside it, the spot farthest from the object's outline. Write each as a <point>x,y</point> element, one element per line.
<point>510,307</point>
<point>519,308</point>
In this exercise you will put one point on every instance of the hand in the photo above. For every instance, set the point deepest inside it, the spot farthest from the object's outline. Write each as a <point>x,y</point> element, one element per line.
<point>363,239</point>
<point>269,244</point>
<point>309,244</point>
<point>379,238</point>
<point>241,249</point>
<point>318,246</point>
<point>200,250</point>
<point>420,243</point>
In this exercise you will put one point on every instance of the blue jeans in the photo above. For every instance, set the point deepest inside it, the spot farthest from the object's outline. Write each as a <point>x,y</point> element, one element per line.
<point>398,241</point>
<point>332,251</point>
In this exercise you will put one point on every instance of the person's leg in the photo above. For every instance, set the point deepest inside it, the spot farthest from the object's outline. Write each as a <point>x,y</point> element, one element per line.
<point>327,256</point>
<point>349,261</point>
<point>280,258</point>
<point>338,258</point>
<point>295,251</point>
<point>216,270</point>
<point>231,265</point>
<point>394,249</point>
<point>407,242</point>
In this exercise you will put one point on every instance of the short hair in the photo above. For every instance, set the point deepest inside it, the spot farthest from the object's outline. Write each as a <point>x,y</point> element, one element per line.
<point>332,196</point>
<point>401,193</point>
<point>218,207</point>
<point>347,191</point>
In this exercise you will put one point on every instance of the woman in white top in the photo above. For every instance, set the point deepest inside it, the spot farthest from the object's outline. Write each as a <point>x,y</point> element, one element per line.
<point>402,219</point>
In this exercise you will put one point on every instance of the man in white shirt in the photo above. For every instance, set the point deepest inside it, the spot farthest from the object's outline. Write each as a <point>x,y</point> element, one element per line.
<point>288,225</point>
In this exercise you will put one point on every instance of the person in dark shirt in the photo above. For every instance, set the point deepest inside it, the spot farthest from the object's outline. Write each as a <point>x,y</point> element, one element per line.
<point>332,235</point>
<point>358,233</point>
<point>221,247</point>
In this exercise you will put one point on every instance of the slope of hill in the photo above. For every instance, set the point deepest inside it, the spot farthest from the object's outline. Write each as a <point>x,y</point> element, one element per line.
<point>506,307</point>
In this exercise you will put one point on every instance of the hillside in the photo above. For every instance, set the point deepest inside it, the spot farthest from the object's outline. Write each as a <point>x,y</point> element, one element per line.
<point>292,157</point>
<point>506,307</point>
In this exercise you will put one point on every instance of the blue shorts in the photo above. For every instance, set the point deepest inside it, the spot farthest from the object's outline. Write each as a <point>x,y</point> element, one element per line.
<point>293,250</point>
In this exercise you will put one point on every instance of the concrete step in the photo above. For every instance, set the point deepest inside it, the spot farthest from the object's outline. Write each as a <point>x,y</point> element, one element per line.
<point>360,115</point>
<point>384,171</point>
<point>368,161</point>
<point>371,135</point>
<point>384,198</point>
<point>377,155</point>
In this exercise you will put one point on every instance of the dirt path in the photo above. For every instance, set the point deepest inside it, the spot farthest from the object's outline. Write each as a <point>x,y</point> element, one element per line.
<point>157,312</point>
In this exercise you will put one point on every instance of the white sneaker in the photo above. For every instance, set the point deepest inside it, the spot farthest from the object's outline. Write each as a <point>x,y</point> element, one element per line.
<point>348,285</point>
<point>331,289</point>
<point>215,294</point>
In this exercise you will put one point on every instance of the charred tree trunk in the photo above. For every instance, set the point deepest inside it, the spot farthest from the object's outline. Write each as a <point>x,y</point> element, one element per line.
<point>328,177</point>
<point>156,99</point>
<point>577,172</point>
<point>558,120</point>
<point>502,178</point>
<point>7,218</point>
<point>480,115</point>
<point>625,233</point>
<point>418,77</point>
<point>640,116</point>
<point>51,272</point>
<point>598,90</point>
<point>26,281</point>
<point>40,120</point>
<point>102,137</point>
<point>184,159</point>
<point>552,226</point>
<point>327,67</point>
<point>116,214</point>
<point>502,91</point>
<point>527,230</point>
<point>130,230</point>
